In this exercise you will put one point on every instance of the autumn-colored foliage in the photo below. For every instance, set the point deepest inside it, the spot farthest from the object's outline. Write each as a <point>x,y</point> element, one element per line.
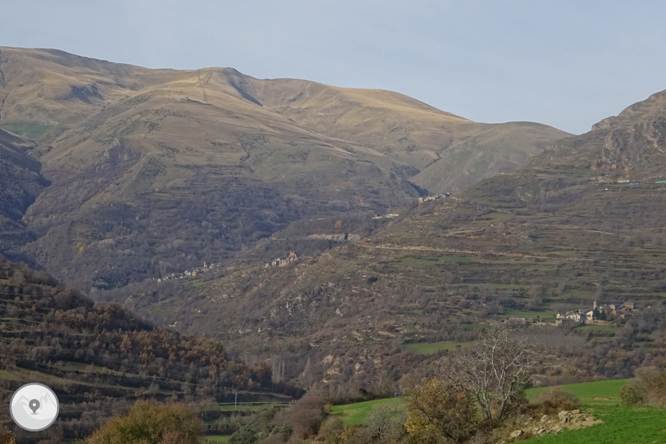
<point>6,437</point>
<point>648,388</point>
<point>556,399</point>
<point>148,423</point>
<point>634,392</point>
<point>306,416</point>
<point>439,410</point>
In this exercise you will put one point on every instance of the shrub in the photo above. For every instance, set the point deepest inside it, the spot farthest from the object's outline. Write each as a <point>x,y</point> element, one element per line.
<point>439,410</point>
<point>147,423</point>
<point>384,424</point>
<point>244,435</point>
<point>306,416</point>
<point>331,429</point>
<point>649,387</point>
<point>275,439</point>
<point>556,399</point>
<point>633,393</point>
<point>6,437</point>
<point>656,390</point>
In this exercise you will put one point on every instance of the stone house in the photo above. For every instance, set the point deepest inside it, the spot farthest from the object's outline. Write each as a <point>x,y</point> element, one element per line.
<point>575,316</point>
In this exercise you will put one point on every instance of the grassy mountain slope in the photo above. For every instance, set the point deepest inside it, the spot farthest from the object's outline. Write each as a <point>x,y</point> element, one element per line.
<point>486,152</point>
<point>99,358</point>
<point>20,184</point>
<point>548,237</point>
<point>174,168</point>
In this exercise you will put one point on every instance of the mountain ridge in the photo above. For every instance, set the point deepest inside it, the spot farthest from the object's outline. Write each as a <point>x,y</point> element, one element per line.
<point>233,159</point>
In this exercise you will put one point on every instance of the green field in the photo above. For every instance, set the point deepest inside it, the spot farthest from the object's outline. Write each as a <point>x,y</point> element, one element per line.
<point>600,394</point>
<point>597,328</point>
<point>545,316</point>
<point>356,413</point>
<point>6,376</point>
<point>410,260</point>
<point>590,393</point>
<point>217,439</point>
<point>28,129</point>
<point>426,348</point>
<point>621,425</point>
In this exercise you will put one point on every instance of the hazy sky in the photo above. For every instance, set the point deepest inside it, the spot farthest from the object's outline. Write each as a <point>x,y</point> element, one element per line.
<point>565,63</point>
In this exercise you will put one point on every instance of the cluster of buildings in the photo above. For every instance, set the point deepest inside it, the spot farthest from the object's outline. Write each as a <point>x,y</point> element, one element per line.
<point>342,237</point>
<point>386,216</point>
<point>293,257</point>
<point>434,197</point>
<point>189,273</point>
<point>608,180</point>
<point>599,314</point>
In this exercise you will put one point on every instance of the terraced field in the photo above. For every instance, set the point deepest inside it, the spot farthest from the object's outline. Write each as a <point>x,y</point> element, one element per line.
<point>89,354</point>
<point>217,439</point>
<point>427,348</point>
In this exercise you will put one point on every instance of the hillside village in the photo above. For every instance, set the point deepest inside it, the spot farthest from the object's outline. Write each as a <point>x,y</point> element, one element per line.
<point>386,216</point>
<point>197,271</point>
<point>206,268</point>
<point>293,257</point>
<point>433,197</point>
<point>600,314</point>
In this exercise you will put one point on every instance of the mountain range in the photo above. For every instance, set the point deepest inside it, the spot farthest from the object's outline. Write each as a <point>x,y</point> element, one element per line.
<point>156,171</point>
<point>338,227</point>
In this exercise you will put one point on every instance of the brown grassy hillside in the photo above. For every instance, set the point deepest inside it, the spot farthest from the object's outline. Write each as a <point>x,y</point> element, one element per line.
<point>156,170</point>
<point>551,236</point>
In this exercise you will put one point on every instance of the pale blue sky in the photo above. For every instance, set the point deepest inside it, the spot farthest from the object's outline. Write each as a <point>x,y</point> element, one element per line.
<point>565,63</point>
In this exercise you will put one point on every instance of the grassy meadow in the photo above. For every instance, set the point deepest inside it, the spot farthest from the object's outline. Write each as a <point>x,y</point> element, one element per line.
<point>590,394</point>
<point>33,130</point>
<point>217,439</point>
<point>357,412</point>
<point>621,424</point>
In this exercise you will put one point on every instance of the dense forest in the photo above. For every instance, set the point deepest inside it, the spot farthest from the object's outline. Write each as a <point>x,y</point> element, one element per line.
<point>99,357</point>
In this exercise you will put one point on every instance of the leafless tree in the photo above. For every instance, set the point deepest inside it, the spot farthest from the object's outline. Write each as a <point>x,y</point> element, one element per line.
<point>306,415</point>
<point>495,371</point>
<point>385,424</point>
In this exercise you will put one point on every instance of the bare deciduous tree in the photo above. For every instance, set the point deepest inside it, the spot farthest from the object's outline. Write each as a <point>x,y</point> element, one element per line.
<point>306,415</point>
<point>495,371</point>
<point>385,424</point>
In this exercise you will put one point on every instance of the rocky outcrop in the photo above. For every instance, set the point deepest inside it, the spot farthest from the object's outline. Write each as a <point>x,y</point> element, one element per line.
<point>547,424</point>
